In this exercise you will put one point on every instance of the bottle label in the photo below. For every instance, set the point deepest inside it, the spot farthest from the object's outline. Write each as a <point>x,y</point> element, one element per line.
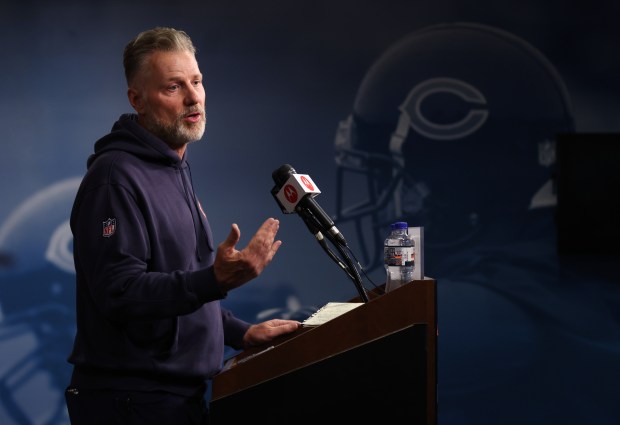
<point>398,255</point>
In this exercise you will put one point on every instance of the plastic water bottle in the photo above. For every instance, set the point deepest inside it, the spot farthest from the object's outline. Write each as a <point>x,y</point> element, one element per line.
<point>398,256</point>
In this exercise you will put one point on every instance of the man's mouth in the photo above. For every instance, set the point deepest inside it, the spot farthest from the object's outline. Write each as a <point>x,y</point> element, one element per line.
<point>193,117</point>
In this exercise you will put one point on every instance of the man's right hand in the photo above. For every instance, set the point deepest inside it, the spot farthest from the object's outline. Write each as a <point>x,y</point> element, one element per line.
<point>233,268</point>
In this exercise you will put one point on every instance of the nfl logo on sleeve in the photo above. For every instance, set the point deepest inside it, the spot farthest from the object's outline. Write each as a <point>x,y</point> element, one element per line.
<point>109,227</point>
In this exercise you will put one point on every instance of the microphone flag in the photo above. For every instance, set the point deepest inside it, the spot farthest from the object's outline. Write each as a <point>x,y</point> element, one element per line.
<point>294,190</point>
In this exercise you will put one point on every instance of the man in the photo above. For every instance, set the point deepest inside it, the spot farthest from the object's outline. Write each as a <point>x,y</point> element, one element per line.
<point>150,329</point>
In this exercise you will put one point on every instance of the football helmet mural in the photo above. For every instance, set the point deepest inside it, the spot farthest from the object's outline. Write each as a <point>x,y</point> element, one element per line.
<point>452,127</point>
<point>37,306</point>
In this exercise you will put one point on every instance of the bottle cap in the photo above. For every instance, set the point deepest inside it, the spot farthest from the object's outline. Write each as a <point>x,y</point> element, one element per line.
<point>399,225</point>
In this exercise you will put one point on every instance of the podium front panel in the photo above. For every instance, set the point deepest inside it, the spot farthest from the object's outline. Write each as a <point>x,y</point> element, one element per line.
<point>376,382</point>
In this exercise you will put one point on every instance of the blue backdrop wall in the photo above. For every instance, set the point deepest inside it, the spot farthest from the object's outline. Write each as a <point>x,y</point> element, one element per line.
<point>523,339</point>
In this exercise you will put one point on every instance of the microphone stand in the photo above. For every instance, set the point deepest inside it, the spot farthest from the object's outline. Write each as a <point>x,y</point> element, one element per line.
<point>349,268</point>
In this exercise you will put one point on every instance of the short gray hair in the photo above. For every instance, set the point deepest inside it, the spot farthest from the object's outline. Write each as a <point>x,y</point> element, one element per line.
<point>148,42</point>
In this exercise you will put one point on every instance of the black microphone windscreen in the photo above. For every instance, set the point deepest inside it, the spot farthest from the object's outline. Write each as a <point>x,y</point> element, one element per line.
<point>282,174</point>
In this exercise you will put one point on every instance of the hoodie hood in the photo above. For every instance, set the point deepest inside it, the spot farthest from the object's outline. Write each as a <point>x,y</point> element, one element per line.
<point>129,136</point>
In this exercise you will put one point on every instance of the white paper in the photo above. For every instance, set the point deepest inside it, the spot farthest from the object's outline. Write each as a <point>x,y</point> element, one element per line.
<point>328,312</point>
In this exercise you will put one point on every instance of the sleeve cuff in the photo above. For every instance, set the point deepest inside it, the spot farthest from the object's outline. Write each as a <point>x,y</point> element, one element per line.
<point>204,284</point>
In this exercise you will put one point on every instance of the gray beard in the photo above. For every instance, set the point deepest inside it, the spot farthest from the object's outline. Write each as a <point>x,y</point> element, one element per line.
<point>176,134</point>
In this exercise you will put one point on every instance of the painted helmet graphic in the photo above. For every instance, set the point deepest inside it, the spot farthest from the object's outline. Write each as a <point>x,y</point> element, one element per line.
<point>37,281</point>
<point>452,128</point>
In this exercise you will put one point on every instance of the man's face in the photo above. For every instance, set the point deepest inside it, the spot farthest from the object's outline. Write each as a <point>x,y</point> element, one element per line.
<point>170,98</point>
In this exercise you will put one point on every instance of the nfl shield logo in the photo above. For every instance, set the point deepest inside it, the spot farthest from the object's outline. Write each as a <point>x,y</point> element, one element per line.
<point>109,227</point>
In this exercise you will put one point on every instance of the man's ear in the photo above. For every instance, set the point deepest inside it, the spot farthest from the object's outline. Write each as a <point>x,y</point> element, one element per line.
<point>135,99</point>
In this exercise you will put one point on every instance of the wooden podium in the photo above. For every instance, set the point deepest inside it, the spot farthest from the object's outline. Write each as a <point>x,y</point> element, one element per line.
<point>374,364</point>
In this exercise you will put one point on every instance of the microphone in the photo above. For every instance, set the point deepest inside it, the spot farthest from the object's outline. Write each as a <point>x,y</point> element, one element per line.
<point>295,193</point>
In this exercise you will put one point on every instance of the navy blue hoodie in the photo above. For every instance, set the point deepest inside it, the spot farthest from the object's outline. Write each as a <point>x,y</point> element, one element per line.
<point>148,310</point>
